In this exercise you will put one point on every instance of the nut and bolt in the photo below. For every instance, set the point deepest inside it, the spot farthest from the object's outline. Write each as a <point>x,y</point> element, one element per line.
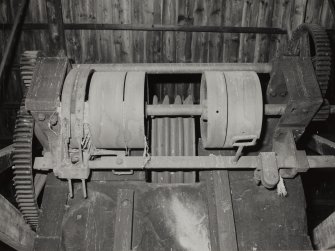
<point>283,94</point>
<point>74,158</point>
<point>41,116</point>
<point>273,94</point>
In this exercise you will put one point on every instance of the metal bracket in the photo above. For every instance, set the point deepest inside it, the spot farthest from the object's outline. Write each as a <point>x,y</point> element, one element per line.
<point>269,169</point>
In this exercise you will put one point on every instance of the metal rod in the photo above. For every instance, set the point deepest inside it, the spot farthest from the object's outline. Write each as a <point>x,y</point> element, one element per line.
<point>201,162</point>
<point>154,68</point>
<point>274,109</point>
<point>197,110</point>
<point>174,110</point>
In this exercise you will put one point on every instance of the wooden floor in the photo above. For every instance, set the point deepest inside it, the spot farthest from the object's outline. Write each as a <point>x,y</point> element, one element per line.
<point>174,217</point>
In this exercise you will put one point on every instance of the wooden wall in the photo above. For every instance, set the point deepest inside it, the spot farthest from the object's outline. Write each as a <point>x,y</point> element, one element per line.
<point>144,46</point>
<point>93,46</point>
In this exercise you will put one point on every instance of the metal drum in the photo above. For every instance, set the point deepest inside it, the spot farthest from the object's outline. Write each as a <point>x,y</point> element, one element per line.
<point>233,109</point>
<point>116,109</point>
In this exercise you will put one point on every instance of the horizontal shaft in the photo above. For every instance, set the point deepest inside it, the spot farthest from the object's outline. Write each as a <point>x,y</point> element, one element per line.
<point>202,162</point>
<point>197,110</point>
<point>180,67</point>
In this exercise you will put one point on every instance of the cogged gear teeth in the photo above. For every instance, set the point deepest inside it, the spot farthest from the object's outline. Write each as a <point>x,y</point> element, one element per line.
<point>22,154</point>
<point>22,167</point>
<point>321,60</point>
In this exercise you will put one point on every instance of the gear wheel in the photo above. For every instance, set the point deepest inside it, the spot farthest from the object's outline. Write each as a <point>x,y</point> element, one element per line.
<point>311,40</point>
<point>22,142</point>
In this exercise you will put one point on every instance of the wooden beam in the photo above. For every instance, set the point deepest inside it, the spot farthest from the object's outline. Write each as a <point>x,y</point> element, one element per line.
<point>332,7</point>
<point>14,231</point>
<point>321,145</point>
<point>124,220</point>
<point>324,234</point>
<point>56,28</point>
<point>5,158</point>
<point>12,40</point>
<point>224,210</point>
<point>166,27</point>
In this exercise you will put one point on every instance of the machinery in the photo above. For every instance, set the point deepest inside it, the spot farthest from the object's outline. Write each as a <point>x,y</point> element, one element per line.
<point>92,117</point>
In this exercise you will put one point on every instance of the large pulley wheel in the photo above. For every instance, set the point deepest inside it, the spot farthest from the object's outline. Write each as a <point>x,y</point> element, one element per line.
<point>311,40</point>
<point>22,155</point>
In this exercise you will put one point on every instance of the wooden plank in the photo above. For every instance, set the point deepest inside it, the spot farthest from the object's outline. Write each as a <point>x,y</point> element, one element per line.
<point>225,214</point>
<point>243,36</point>
<point>313,11</point>
<point>52,211</point>
<point>298,13</point>
<point>200,40</point>
<point>148,8</point>
<point>14,231</point>
<point>321,145</point>
<point>124,220</point>
<point>138,37</point>
<point>215,39</point>
<point>324,234</point>
<point>169,39</point>
<point>5,158</point>
<point>56,29</point>
<point>262,41</point>
<point>280,18</point>
<point>155,27</point>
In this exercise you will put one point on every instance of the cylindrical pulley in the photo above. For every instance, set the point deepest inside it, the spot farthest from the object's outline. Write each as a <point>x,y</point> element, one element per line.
<point>116,109</point>
<point>233,109</point>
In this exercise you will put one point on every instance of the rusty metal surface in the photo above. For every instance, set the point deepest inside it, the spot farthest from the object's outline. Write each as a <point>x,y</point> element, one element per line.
<point>47,83</point>
<point>302,103</point>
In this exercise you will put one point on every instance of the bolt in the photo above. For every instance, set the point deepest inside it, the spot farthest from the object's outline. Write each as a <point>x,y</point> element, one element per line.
<point>54,119</point>
<point>74,159</point>
<point>41,116</point>
<point>283,94</point>
<point>273,94</point>
<point>125,203</point>
<point>119,161</point>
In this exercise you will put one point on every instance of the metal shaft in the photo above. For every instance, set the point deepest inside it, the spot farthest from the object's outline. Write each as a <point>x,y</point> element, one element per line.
<point>197,110</point>
<point>180,67</point>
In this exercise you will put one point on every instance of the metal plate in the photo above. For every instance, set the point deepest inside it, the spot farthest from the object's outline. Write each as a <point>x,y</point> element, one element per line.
<point>105,109</point>
<point>133,110</point>
<point>213,122</point>
<point>245,108</point>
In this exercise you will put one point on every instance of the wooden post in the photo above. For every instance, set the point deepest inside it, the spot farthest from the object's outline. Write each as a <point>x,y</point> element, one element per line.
<point>5,155</point>
<point>13,38</point>
<point>14,231</point>
<point>56,28</point>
